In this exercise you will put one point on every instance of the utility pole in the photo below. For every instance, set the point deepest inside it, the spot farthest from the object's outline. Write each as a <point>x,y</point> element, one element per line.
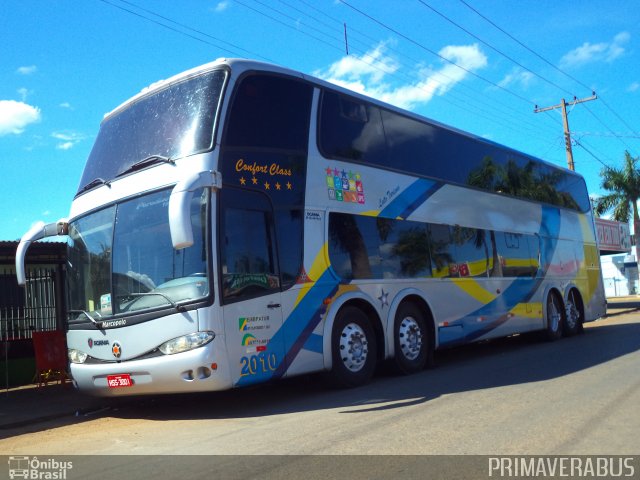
<point>565,122</point>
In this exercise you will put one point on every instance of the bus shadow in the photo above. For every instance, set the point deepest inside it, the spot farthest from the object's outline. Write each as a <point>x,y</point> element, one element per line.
<point>499,363</point>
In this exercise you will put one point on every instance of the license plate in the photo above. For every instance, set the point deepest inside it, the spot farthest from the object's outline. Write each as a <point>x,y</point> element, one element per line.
<point>119,381</point>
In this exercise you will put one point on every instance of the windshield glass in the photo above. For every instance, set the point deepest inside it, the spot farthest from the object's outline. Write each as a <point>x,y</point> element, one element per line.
<point>174,122</point>
<point>121,259</point>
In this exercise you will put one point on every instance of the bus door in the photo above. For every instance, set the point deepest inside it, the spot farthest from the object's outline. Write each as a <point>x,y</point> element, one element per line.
<point>251,294</point>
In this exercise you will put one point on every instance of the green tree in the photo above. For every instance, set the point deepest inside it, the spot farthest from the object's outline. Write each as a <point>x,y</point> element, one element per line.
<point>623,185</point>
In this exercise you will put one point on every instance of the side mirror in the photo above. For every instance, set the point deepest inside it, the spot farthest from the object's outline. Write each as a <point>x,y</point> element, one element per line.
<point>180,206</point>
<point>38,231</point>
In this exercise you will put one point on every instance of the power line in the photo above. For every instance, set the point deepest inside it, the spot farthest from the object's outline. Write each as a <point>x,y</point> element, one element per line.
<point>590,153</point>
<point>181,26</point>
<point>525,46</point>
<point>396,32</point>
<point>494,48</point>
<point>474,97</point>
<point>554,67</point>
<point>479,113</point>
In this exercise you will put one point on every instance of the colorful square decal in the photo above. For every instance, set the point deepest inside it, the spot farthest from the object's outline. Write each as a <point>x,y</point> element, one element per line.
<point>344,186</point>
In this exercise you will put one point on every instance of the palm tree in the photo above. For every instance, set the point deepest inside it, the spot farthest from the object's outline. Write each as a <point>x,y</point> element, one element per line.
<point>624,187</point>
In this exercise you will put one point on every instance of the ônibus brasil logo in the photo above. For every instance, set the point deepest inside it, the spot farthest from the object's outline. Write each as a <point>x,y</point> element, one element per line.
<point>34,468</point>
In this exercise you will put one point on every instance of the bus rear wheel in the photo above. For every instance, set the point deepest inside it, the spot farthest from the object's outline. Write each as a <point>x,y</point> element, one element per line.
<point>411,339</point>
<point>353,348</point>
<point>573,315</point>
<point>555,316</point>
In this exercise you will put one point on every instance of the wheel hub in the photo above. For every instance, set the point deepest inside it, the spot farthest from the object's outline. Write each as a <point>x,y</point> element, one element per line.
<point>353,347</point>
<point>410,338</point>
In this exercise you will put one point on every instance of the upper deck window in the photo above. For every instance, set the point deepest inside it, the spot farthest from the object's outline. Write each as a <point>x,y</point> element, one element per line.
<point>270,112</point>
<point>353,129</point>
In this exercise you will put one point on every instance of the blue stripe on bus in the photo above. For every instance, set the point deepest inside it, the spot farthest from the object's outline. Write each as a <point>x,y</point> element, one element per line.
<point>296,329</point>
<point>314,343</point>
<point>549,232</point>
<point>410,199</point>
<point>521,290</point>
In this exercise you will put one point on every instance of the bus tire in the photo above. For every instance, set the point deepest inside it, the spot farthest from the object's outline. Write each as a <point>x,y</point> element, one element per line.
<point>555,316</point>
<point>353,348</point>
<point>411,339</point>
<point>574,317</point>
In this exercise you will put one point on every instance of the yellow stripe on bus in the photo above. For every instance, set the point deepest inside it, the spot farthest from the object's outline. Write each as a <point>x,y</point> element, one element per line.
<point>318,267</point>
<point>474,289</point>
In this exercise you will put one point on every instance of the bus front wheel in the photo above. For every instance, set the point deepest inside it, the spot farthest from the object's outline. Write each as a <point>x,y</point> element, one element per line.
<point>411,339</point>
<point>353,348</point>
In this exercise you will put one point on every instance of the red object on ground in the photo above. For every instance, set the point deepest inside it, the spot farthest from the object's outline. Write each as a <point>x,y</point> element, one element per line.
<point>51,357</point>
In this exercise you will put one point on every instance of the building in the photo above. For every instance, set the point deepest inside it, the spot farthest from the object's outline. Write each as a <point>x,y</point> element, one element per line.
<point>39,306</point>
<point>619,265</point>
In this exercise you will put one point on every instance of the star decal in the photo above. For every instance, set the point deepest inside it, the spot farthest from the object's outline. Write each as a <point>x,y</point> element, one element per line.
<point>242,181</point>
<point>384,299</point>
<point>289,186</point>
<point>278,185</point>
<point>267,186</point>
<point>254,180</point>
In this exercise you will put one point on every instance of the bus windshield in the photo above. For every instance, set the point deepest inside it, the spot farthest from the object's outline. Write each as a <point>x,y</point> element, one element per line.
<point>122,260</point>
<point>174,122</point>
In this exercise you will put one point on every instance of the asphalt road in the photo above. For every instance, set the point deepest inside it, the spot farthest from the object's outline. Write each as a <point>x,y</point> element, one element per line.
<point>516,396</point>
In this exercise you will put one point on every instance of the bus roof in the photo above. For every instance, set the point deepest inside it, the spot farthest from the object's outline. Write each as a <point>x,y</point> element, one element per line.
<point>240,65</point>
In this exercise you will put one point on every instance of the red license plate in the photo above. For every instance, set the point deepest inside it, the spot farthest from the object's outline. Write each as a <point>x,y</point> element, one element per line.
<point>119,381</point>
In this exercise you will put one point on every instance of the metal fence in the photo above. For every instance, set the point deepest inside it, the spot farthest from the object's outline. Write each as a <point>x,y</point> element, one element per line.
<point>24,311</point>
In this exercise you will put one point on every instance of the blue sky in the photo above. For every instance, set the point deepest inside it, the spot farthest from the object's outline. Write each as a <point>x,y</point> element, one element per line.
<point>478,65</point>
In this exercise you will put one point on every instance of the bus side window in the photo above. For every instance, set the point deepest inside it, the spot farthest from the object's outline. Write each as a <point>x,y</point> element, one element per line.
<point>442,251</point>
<point>472,252</point>
<point>515,255</point>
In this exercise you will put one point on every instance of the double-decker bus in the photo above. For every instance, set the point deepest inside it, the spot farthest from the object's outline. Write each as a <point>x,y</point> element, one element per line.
<point>242,222</point>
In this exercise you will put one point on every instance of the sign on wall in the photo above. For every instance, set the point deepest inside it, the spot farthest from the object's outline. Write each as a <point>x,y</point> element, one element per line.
<point>613,237</point>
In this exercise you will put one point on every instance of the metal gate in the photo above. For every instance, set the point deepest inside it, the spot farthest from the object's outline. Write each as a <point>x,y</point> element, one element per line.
<point>23,312</point>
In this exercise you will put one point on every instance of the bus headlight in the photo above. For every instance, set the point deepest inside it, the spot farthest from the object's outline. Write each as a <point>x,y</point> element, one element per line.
<point>76,356</point>
<point>186,342</point>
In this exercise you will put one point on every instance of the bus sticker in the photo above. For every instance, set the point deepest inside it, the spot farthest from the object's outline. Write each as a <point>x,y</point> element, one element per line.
<point>256,364</point>
<point>344,186</point>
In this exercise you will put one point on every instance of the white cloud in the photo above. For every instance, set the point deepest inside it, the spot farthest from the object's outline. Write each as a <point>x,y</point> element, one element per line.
<point>368,74</point>
<point>27,70</point>
<point>596,52</point>
<point>66,105</point>
<point>634,87</point>
<point>517,76</point>
<point>373,64</point>
<point>15,116</point>
<point>65,146</point>
<point>222,6</point>
<point>67,140</point>
<point>23,92</point>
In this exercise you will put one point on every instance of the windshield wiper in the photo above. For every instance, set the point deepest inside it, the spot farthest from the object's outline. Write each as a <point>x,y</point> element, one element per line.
<point>145,162</point>
<point>97,323</point>
<point>179,308</point>
<point>96,182</point>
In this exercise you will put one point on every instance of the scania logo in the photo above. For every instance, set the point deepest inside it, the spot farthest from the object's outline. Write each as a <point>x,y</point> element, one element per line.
<point>116,349</point>
<point>97,343</point>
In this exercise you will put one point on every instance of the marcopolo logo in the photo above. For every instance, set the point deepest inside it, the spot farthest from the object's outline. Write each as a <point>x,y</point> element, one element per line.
<point>34,468</point>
